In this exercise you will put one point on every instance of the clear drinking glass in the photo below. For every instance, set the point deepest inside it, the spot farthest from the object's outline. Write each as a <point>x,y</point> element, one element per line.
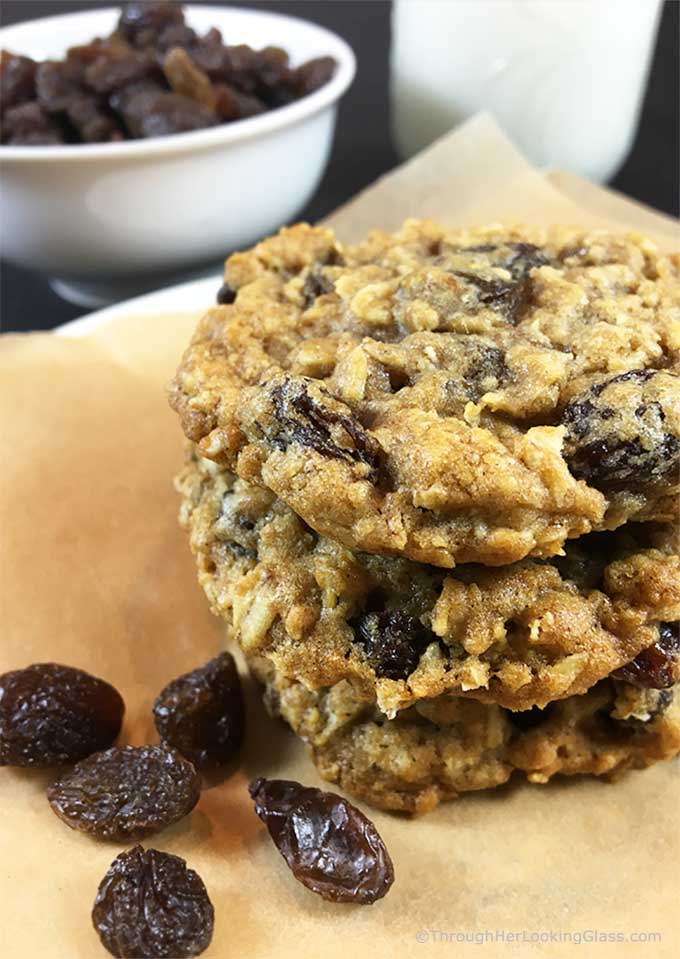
<point>564,78</point>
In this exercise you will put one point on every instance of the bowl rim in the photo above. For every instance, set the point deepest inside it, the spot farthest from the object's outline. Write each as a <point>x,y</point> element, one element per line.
<point>235,132</point>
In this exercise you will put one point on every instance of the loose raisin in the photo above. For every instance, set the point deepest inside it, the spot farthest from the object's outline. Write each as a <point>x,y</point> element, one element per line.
<point>202,714</point>
<point>126,793</point>
<point>623,432</point>
<point>328,844</point>
<point>393,642</point>
<point>657,666</point>
<point>149,904</point>
<point>304,419</point>
<point>53,714</point>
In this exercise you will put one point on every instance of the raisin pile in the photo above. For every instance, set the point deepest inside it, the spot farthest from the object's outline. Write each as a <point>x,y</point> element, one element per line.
<point>201,713</point>
<point>52,714</point>
<point>152,77</point>
<point>149,904</point>
<point>328,844</point>
<point>126,793</point>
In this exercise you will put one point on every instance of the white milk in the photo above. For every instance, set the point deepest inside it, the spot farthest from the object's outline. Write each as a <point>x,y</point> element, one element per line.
<point>564,78</point>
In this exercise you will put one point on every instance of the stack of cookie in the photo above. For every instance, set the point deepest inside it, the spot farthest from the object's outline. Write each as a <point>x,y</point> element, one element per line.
<point>433,487</point>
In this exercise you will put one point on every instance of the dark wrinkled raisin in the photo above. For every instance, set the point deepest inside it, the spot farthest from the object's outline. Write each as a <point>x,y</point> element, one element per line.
<point>657,666</point>
<point>57,84</point>
<point>86,53</point>
<point>29,125</point>
<point>393,642</point>
<point>518,258</point>
<point>210,54</point>
<point>303,419</point>
<point>509,297</point>
<point>622,432</point>
<point>108,73</point>
<point>127,792</point>
<point>17,79</point>
<point>314,74</point>
<point>202,714</point>
<point>482,368</point>
<point>121,100</point>
<point>53,714</point>
<point>316,284</point>
<point>273,77</point>
<point>155,113</point>
<point>328,844</point>
<point>149,905</point>
<point>141,23</point>
<point>93,124</point>
<point>176,35</point>
<point>226,295</point>
<point>231,104</point>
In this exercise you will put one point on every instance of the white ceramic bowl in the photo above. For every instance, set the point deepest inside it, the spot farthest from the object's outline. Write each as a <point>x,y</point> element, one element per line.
<point>104,218</point>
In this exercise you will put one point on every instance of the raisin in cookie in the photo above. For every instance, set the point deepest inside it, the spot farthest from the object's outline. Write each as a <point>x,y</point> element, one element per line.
<point>446,746</point>
<point>448,396</point>
<point>400,632</point>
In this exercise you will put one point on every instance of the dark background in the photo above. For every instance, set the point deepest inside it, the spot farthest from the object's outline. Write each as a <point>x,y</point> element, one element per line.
<point>362,148</point>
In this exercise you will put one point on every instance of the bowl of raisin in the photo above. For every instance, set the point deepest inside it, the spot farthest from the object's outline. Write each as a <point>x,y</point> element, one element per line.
<point>143,142</point>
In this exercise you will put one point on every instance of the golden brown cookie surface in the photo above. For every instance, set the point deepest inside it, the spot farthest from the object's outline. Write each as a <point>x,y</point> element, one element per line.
<point>401,632</point>
<point>452,397</point>
<point>446,746</point>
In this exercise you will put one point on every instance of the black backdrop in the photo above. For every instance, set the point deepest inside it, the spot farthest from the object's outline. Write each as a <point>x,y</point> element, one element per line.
<point>362,149</point>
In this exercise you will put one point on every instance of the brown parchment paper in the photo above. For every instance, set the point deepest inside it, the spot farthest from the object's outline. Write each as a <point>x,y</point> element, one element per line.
<point>94,572</point>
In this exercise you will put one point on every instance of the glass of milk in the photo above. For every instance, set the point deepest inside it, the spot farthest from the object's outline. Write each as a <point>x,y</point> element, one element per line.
<point>564,78</point>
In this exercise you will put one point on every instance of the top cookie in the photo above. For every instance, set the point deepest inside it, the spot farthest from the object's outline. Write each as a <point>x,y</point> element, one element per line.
<point>452,397</point>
